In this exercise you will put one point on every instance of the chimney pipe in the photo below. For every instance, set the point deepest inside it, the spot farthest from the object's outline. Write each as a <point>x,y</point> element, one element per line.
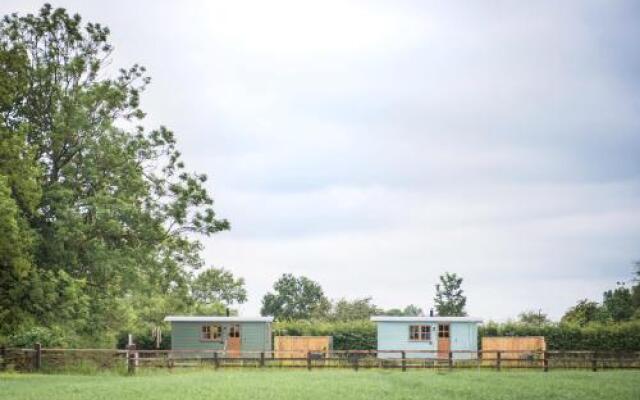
<point>431,312</point>
<point>227,311</point>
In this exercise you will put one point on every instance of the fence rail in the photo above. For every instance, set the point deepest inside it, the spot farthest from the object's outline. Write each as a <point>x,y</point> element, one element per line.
<point>54,359</point>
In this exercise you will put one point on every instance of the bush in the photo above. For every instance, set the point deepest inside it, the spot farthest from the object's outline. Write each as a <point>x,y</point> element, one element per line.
<point>347,335</point>
<point>144,340</point>
<point>48,337</point>
<point>596,336</point>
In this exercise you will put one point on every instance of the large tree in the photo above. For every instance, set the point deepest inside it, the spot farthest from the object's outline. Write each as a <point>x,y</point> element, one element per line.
<point>531,317</point>
<point>619,303</point>
<point>585,312</point>
<point>358,309</point>
<point>217,285</point>
<point>450,299</point>
<point>99,213</point>
<point>295,298</point>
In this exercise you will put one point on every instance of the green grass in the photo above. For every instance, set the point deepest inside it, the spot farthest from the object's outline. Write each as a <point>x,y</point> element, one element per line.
<point>328,384</point>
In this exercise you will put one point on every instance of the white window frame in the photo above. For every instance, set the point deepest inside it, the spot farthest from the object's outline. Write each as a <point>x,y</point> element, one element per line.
<point>423,333</point>
<point>211,333</point>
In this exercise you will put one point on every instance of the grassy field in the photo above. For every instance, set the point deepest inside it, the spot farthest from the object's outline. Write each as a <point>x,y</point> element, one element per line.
<point>334,385</point>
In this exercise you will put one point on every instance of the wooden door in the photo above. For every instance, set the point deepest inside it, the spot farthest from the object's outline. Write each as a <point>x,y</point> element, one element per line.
<point>233,347</point>
<point>444,342</point>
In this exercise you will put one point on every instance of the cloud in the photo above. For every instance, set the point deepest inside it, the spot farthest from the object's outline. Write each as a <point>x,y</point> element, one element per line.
<point>374,145</point>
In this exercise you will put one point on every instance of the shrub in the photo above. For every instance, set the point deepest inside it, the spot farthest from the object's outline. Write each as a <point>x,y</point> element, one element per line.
<point>144,340</point>
<point>347,335</point>
<point>48,337</point>
<point>595,336</point>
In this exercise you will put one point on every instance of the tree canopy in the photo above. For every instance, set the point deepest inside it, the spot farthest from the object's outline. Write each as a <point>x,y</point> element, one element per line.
<point>532,317</point>
<point>98,216</point>
<point>295,298</point>
<point>450,299</point>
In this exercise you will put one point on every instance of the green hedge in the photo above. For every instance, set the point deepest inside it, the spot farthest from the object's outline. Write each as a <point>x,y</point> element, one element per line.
<point>620,336</point>
<point>351,335</point>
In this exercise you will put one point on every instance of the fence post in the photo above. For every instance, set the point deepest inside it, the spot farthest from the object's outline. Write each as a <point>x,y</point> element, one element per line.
<point>404,361</point>
<point>309,360</point>
<point>594,362</point>
<point>545,361</point>
<point>262,359</point>
<point>216,361</point>
<point>37,360</point>
<point>498,360</point>
<point>450,360</point>
<point>3,358</point>
<point>131,359</point>
<point>356,362</point>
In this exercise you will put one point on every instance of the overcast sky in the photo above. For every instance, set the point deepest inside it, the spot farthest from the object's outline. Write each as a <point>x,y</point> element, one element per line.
<point>371,146</point>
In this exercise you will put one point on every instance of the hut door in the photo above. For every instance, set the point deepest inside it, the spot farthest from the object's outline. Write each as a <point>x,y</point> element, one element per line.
<point>444,342</point>
<point>233,341</point>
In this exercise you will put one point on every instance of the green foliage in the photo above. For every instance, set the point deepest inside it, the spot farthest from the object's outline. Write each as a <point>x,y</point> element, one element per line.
<point>411,310</point>
<point>347,335</point>
<point>533,318</point>
<point>584,313</point>
<point>618,303</point>
<point>98,217</point>
<point>218,286</point>
<point>295,298</point>
<point>349,310</point>
<point>47,337</point>
<point>145,340</point>
<point>621,336</point>
<point>450,299</point>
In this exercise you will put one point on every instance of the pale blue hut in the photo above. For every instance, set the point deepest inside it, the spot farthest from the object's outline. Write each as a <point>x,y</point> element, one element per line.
<point>439,335</point>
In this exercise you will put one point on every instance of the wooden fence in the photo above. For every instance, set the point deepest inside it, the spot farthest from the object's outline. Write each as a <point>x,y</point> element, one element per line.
<point>52,360</point>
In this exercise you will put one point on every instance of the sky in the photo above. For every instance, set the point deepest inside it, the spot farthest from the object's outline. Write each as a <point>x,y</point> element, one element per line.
<point>372,146</point>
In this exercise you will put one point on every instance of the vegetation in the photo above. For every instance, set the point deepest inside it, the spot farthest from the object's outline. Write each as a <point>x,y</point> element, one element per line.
<point>459,385</point>
<point>98,216</point>
<point>621,336</point>
<point>450,299</point>
<point>533,318</point>
<point>347,335</point>
<point>618,305</point>
<point>295,298</point>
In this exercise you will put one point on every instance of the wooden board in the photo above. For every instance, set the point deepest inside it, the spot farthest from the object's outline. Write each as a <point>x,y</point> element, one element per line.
<point>299,346</point>
<point>522,348</point>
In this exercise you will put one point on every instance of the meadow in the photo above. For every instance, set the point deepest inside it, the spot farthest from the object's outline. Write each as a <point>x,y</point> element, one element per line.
<point>330,384</point>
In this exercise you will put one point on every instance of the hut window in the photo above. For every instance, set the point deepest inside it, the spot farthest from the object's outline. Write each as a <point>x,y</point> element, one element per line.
<point>420,332</point>
<point>234,331</point>
<point>443,330</point>
<point>211,332</point>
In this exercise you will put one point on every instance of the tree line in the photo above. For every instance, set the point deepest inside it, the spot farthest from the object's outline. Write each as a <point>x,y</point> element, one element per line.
<point>295,298</point>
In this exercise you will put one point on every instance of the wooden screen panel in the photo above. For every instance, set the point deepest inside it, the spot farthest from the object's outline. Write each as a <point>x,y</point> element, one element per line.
<point>299,346</point>
<point>522,348</point>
